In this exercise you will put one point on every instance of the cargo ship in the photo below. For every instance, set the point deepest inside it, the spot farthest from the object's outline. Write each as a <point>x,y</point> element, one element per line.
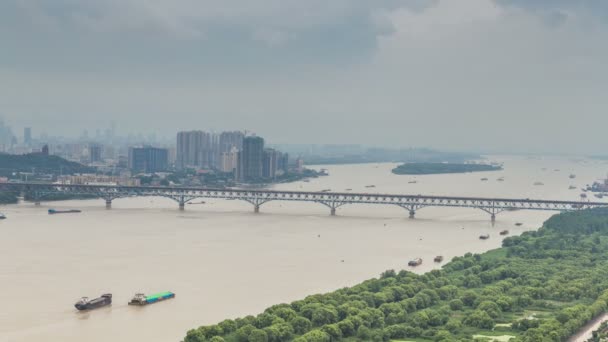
<point>89,304</point>
<point>70,211</point>
<point>415,262</point>
<point>142,299</point>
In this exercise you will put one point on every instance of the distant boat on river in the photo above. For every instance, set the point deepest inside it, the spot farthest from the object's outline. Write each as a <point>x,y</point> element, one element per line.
<point>70,211</point>
<point>88,304</point>
<point>2,216</point>
<point>438,258</point>
<point>504,232</point>
<point>572,176</point>
<point>539,183</point>
<point>415,262</point>
<point>484,236</point>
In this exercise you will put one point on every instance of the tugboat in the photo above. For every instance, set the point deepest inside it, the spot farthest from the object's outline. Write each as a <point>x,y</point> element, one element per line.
<point>438,258</point>
<point>89,304</point>
<point>141,299</point>
<point>504,232</point>
<point>53,211</point>
<point>415,262</point>
<point>484,236</point>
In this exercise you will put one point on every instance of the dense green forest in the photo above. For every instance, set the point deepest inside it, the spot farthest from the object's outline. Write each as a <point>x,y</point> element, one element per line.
<point>540,286</point>
<point>437,168</point>
<point>39,163</point>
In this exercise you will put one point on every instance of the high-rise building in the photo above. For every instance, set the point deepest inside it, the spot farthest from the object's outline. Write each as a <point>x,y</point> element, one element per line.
<point>250,159</point>
<point>95,153</point>
<point>148,159</point>
<point>27,136</point>
<point>228,140</point>
<point>270,163</point>
<point>228,160</point>
<point>283,166</point>
<point>194,149</point>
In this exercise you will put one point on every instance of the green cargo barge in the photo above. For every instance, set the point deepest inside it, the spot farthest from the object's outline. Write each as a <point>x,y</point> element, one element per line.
<point>142,299</point>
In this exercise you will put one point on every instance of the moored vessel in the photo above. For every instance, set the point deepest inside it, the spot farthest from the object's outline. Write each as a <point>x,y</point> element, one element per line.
<point>438,258</point>
<point>504,232</point>
<point>70,211</point>
<point>85,303</point>
<point>518,224</point>
<point>415,262</point>
<point>2,216</point>
<point>484,236</point>
<point>142,299</point>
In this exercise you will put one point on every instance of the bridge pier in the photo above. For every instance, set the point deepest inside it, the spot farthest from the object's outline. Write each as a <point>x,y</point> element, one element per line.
<point>108,204</point>
<point>333,212</point>
<point>412,214</point>
<point>256,208</point>
<point>182,205</point>
<point>493,217</point>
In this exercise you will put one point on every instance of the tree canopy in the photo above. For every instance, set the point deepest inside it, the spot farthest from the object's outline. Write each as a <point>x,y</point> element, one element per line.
<point>541,286</point>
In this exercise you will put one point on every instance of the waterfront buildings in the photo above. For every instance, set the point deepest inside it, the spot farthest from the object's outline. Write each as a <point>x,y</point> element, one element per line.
<point>250,160</point>
<point>194,149</point>
<point>229,160</point>
<point>148,159</point>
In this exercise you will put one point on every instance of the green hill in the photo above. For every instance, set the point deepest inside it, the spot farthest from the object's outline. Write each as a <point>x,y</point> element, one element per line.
<point>39,163</point>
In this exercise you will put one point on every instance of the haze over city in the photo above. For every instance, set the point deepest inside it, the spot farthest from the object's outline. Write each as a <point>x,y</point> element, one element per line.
<point>483,75</point>
<point>303,170</point>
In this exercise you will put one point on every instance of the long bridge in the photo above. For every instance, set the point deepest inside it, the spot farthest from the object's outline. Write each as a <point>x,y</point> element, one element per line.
<point>332,200</point>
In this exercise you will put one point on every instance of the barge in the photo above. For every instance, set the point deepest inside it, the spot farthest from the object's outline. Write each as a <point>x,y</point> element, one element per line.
<point>415,262</point>
<point>70,211</point>
<point>142,299</point>
<point>89,304</point>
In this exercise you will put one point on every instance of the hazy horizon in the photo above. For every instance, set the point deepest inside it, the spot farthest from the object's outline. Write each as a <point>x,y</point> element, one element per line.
<point>473,75</point>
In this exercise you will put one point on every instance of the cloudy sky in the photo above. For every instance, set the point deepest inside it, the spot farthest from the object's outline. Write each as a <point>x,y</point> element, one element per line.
<point>508,75</point>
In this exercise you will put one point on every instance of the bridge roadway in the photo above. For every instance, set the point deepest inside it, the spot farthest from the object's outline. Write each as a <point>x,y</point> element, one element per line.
<point>332,200</point>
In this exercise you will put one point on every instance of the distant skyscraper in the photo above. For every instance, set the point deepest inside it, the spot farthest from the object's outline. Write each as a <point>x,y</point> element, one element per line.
<point>194,149</point>
<point>270,163</point>
<point>95,153</point>
<point>148,159</point>
<point>228,160</point>
<point>27,136</point>
<point>250,159</point>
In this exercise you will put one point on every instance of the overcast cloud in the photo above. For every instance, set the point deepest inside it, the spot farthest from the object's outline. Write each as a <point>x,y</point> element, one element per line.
<point>512,75</point>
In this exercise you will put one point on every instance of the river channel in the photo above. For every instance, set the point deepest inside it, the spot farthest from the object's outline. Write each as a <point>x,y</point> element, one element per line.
<point>224,261</point>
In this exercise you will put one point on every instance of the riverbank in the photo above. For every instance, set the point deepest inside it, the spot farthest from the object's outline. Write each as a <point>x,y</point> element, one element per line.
<point>518,290</point>
<point>442,168</point>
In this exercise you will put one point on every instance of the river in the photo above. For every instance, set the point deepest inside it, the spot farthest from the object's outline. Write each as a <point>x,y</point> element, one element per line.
<point>224,261</point>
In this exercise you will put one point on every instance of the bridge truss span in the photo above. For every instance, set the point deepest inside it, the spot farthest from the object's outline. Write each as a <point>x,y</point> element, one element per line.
<point>332,200</point>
